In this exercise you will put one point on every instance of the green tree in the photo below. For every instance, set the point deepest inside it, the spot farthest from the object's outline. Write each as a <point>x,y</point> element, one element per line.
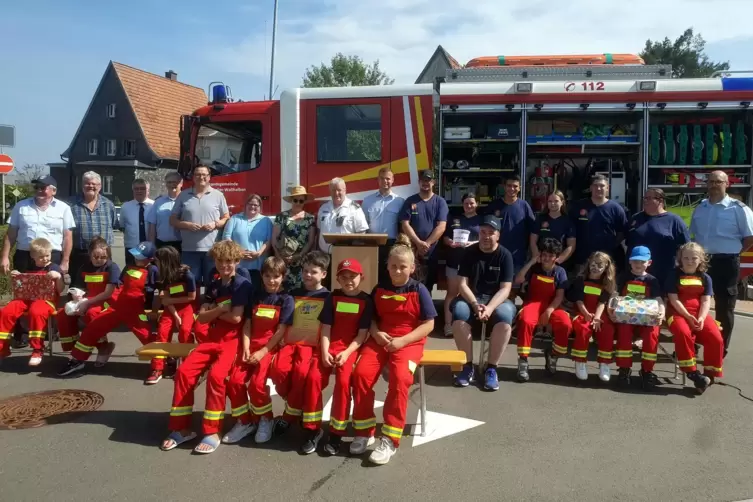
<point>345,71</point>
<point>686,55</point>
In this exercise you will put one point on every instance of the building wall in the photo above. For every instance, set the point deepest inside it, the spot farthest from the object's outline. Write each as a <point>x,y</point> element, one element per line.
<point>437,68</point>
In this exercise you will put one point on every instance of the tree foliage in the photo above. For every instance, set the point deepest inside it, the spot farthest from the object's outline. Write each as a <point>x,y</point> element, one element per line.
<point>686,55</point>
<point>30,172</point>
<point>345,71</point>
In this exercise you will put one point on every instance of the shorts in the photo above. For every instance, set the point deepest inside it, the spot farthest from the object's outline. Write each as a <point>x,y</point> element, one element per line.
<point>450,272</point>
<point>504,313</point>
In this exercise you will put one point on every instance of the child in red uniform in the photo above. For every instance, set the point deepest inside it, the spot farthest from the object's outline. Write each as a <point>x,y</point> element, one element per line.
<point>100,279</point>
<point>39,310</point>
<point>201,329</point>
<point>590,293</point>
<point>225,300</point>
<point>689,290</point>
<point>292,363</point>
<point>403,317</point>
<point>177,288</point>
<point>345,319</point>
<point>639,284</point>
<point>138,281</point>
<point>546,283</point>
<point>269,315</point>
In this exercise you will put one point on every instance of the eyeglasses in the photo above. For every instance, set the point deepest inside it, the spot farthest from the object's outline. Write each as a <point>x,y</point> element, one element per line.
<point>716,182</point>
<point>257,206</point>
<point>299,201</point>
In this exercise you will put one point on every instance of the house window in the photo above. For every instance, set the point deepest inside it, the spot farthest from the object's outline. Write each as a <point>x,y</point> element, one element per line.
<point>111,110</point>
<point>107,185</point>
<point>92,146</point>
<point>129,148</point>
<point>349,133</point>
<point>204,152</point>
<point>112,147</point>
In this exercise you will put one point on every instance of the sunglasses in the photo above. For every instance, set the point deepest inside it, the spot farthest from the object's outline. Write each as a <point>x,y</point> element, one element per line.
<point>40,187</point>
<point>299,201</point>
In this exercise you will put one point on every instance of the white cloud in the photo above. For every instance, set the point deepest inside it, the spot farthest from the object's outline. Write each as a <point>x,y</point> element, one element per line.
<point>403,34</point>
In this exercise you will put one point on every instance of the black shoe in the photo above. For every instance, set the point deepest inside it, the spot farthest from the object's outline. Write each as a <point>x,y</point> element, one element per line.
<point>19,344</point>
<point>550,362</point>
<point>280,427</point>
<point>701,382</point>
<point>71,367</point>
<point>333,445</point>
<point>171,367</point>
<point>648,380</point>
<point>623,378</point>
<point>309,446</point>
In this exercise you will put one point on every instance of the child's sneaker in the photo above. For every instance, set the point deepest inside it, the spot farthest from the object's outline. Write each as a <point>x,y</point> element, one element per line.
<point>154,377</point>
<point>238,432</point>
<point>171,367</point>
<point>648,380</point>
<point>491,382</point>
<point>333,445</point>
<point>71,367</point>
<point>550,364</point>
<point>623,379</point>
<point>605,373</point>
<point>104,355</point>
<point>384,451</point>
<point>36,358</point>
<point>701,382</point>
<point>581,370</point>
<point>448,330</point>
<point>523,370</point>
<point>264,432</point>
<point>360,444</point>
<point>281,426</point>
<point>465,377</point>
<point>309,446</point>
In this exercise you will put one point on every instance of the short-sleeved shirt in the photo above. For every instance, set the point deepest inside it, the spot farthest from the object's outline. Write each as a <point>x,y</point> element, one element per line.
<point>347,315</point>
<point>308,306</point>
<point>34,223</point>
<point>673,281</point>
<point>186,284</point>
<point>560,229</point>
<point>99,222</point>
<point>720,228</point>
<point>517,224</point>
<point>110,268</point>
<point>382,212</point>
<point>398,310</point>
<point>424,215</point>
<point>577,291</point>
<point>486,272</point>
<point>649,286</point>
<point>129,221</point>
<point>282,300</point>
<point>348,218</point>
<point>462,222</point>
<point>238,291</point>
<point>211,206</point>
<point>159,216</point>
<point>558,273</point>
<point>663,235</point>
<point>251,235</point>
<point>597,227</point>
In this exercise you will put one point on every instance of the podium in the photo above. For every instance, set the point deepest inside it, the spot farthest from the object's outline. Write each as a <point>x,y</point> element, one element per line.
<point>362,247</point>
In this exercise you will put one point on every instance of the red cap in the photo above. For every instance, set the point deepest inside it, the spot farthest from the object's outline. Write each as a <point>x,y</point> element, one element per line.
<point>350,265</point>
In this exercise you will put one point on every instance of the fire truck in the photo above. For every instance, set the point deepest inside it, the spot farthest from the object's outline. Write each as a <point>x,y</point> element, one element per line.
<point>553,125</point>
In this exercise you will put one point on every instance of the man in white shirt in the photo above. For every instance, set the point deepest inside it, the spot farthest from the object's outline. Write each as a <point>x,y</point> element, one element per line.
<point>159,229</point>
<point>339,215</point>
<point>133,217</point>
<point>382,209</point>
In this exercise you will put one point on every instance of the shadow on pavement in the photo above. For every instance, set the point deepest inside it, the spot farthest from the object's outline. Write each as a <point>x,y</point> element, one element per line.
<point>116,369</point>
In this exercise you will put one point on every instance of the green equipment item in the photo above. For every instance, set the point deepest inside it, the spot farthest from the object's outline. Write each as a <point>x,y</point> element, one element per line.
<point>711,148</point>
<point>696,146</point>
<point>725,137</point>
<point>741,144</point>
<point>670,149</point>
<point>654,145</point>
<point>682,142</point>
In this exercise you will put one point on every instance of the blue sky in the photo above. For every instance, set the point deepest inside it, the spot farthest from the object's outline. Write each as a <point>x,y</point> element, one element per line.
<point>56,51</point>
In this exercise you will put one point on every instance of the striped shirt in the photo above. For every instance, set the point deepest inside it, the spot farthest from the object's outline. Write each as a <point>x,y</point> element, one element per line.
<point>90,224</point>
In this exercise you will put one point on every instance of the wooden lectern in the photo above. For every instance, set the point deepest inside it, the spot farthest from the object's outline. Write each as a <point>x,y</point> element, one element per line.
<point>362,247</point>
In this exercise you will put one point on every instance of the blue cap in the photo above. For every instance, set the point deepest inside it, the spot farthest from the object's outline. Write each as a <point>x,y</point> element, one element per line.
<point>640,253</point>
<point>493,222</point>
<point>144,251</point>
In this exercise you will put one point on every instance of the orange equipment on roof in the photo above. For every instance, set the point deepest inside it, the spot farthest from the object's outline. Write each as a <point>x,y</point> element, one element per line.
<point>555,60</point>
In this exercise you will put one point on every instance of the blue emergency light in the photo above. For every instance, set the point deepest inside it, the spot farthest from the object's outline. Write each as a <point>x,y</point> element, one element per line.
<point>220,93</point>
<point>737,84</point>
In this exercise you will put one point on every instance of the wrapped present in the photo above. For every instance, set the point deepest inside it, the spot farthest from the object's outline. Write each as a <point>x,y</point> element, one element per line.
<point>629,310</point>
<point>306,325</point>
<point>33,287</point>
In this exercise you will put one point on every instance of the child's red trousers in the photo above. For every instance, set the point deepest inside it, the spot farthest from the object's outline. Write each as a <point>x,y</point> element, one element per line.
<point>288,372</point>
<point>685,339</point>
<point>528,319</point>
<point>167,324</point>
<point>68,325</point>
<point>317,381</point>
<point>650,336</point>
<point>248,385</point>
<point>604,337</point>
<point>39,312</point>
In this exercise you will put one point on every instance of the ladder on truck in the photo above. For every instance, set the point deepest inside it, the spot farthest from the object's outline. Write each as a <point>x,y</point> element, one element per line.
<point>555,73</point>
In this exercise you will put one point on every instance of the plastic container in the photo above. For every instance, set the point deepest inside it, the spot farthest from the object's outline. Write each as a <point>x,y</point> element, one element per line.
<point>460,236</point>
<point>457,133</point>
<point>503,131</point>
<point>539,137</point>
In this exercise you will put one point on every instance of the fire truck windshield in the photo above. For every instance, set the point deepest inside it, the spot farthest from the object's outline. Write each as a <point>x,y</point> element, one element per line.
<point>229,147</point>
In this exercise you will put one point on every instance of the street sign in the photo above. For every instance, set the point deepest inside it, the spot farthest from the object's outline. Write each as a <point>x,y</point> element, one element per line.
<point>7,136</point>
<point>16,193</point>
<point>6,164</point>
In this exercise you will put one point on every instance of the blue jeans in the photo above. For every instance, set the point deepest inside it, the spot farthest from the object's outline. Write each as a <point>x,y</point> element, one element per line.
<point>201,265</point>
<point>504,313</point>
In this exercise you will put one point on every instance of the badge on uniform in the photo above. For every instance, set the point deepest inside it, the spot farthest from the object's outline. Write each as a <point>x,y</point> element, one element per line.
<point>339,221</point>
<point>455,223</point>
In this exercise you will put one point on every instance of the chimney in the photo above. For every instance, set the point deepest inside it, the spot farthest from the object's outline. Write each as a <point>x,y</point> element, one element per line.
<point>171,75</point>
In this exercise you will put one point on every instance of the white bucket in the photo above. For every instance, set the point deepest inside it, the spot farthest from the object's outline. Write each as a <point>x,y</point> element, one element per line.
<point>460,236</point>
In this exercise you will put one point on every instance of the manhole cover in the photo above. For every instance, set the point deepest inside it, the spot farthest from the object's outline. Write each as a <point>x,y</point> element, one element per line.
<point>38,409</point>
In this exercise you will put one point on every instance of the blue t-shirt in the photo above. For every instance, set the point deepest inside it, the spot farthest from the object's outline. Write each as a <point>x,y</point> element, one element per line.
<point>250,235</point>
<point>462,222</point>
<point>558,273</point>
<point>279,299</point>
<point>110,268</point>
<point>673,278</point>
<point>187,281</point>
<point>597,227</point>
<point>517,224</point>
<point>560,229</point>
<point>424,215</point>
<point>663,234</point>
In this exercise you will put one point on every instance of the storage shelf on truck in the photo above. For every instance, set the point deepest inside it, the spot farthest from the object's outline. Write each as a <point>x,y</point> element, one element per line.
<point>476,141</point>
<point>711,167</point>
<point>476,171</point>
<point>700,188</point>
<point>583,143</point>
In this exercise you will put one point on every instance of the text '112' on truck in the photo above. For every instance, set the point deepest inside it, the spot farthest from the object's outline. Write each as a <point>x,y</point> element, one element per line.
<point>552,120</point>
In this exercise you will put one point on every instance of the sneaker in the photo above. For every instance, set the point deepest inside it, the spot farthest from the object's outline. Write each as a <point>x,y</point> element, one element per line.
<point>19,344</point>
<point>648,380</point>
<point>36,358</point>
<point>104,355</point>
<point>523,370</point>
<point>581,370</point>
<point>465,377</point>
<point>551,362</point>
<point>383,452</point>
<point>448,330</point>
<point>154,377</point>
<point>491,382</point>
<point>623,379</point>
<point>309,446</point>
<point>333,445</point>
<point>701,382</point>
<point>171,367</point>
<point>238,432</point>
<point>360,444</point>
<point>605,373</point>
<point>281,427</point>
<point>71,367</point>
<point>264,432</point>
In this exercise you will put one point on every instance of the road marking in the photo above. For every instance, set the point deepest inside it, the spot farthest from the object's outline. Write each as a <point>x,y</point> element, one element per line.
<point>272,391</point>
<point>439,425</point>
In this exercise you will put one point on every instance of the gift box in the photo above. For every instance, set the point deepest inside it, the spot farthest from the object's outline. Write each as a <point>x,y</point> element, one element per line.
<point>32,287</point>
<point>628,310</point>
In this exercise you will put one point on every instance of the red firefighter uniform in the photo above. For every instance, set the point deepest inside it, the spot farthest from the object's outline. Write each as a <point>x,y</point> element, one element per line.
<point>200,329</point>
<point>639,287</point>
<point>592,294</point>
<point>267,311</point>
<point>185,311</point>
<point>39,312</point>
<point>690,289</point>
<point>292,363</point>
<point>127,309</point>
<point>542,287</point>
<point>346,315</point>
<point>93,280</point>
<point>216,353</point>
<point>398,310</point>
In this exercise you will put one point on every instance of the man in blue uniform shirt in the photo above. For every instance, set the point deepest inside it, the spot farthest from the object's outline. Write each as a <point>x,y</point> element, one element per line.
<point>517,220</point>
<point>382,209</point>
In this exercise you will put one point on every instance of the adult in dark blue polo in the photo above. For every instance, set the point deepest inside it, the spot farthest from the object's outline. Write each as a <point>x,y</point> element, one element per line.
<point>517,220</point>
<point>660,231</point>
<point>424,219</point>
<point>600,224</point>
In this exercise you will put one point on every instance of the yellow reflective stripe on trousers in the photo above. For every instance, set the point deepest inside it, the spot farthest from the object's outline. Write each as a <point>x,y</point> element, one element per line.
<point>261,410</point>
<point>213,415</point>
<point>605,355</point>
<point>648,356</point>
<point>240,410</point>
<point>337,424</point>
<point>712,368</point>
<point>579,353</point>
<point>293,411</point>
<point>83,348</point>
<point>312,417</point>
<point>52,305</point>
<point>624,353</point>
<point>524,351</point>
<point>364,424</point>
<point>4,336</point>
<point>159,357</point>
<point>670,320</point>
<point>687,363</point>
<point>347,307</point>
<point>391,431</point>
<point>180,411</point>
<point>68,339</point>
<point>559,348</point>
<point>36,334</point>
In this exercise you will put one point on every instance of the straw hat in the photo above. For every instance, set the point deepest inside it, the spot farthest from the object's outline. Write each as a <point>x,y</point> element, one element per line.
<point>297,191</point>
